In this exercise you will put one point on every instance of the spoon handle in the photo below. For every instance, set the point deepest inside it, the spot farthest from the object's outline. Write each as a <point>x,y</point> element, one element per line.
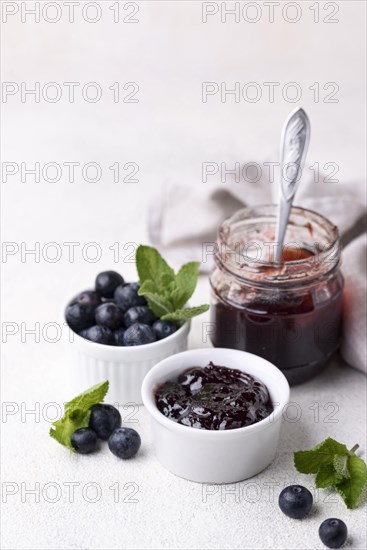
<point>294,144</point>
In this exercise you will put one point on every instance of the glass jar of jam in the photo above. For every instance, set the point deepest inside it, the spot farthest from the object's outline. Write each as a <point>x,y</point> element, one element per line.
<point>290,312</point>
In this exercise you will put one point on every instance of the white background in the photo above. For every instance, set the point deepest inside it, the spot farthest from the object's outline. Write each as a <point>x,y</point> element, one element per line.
<point>170,52</point>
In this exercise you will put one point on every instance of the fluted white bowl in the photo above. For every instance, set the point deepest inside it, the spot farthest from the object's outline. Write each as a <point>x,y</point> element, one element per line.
<point>124,367</point>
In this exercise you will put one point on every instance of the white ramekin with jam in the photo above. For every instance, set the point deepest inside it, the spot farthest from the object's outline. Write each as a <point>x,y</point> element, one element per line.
<point>288,313</point>
<point>200,439</point>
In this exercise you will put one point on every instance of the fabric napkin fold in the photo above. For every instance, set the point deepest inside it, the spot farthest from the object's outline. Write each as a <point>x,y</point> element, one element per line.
<point>185,219</point>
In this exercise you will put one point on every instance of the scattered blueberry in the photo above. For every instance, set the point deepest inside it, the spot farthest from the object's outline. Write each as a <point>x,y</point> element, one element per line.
<point>98,334</point>
<point>163,329</point>
<point>119,336</point>
<point>104,419</point>
<point>126,296</point>
<point>109,315</point>
<point>88,297</point>
<point>139,314</point>
<point>333,532</point>
<point>79,315</point>
<point>139,334</point>
<point>124,442</point>
<point>107,282</point>
<point>84,441</point>
<point>295,501</point>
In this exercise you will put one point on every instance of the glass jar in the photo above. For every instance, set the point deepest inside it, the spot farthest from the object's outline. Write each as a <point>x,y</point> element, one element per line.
<point>289,313</point>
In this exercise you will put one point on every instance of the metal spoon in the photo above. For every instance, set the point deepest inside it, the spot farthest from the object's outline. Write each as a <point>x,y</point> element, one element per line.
<point>294,144</point>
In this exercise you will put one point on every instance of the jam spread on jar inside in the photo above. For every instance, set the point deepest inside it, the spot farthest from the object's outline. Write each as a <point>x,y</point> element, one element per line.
<point>291,254</point>
<point>214,398</point>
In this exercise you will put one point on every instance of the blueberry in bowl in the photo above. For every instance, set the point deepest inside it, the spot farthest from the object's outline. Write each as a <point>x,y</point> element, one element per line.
<point>126,296</point>
<point>88,297</point>
<point>107,282</point>
<point>119,336</point>
<point>139,334</point>
<point>98,335</point>
<point>114,314</point>
<point>115,305</point>
<point>79,315</point>
<point>103,315</point>
<point>138,314</point>
<point>109,315</point>
<point>163,329</point>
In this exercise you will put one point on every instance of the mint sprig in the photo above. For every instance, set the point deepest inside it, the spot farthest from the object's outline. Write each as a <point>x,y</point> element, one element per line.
<point>77,414</point>
<point>335,467</point>
<point>167,292</point>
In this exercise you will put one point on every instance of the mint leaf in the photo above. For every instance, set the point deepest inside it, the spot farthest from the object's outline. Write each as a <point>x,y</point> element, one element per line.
<point>167,292</point>
<point>158,303</point>
<point>335,467</point>
<point>151,265</point>
<point>77,414</point>
<point>351,488</point>
<point>340,464</point>
<point>327,476</point>
<point>185,314</point>
<point>186,281</point>
<point>167,283</point>
<point>90,397</point>
<point>63,429</point>
<point>309,462</point>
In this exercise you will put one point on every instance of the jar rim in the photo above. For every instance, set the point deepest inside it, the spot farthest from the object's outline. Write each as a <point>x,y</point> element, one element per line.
<point>287,270</point>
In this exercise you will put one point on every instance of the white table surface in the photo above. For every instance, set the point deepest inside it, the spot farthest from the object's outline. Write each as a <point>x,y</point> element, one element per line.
<point>169,133</point>
<point>165,511</point>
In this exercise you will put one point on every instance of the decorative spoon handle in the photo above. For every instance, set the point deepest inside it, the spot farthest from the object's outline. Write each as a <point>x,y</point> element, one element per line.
<point>294,144</point>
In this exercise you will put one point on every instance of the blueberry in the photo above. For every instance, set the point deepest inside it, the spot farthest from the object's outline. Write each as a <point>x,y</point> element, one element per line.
<point>98,334</point>
<point>84,441</point>
<point>295,501</point>
<point>109,315</point>
<point>139,314</point>
<point>119,336</point>
<point>107,282</point>
<point>124,442</point>
<point>163,329</point>
<point>126,296</point>
<point>79,315</point>
<point>139,334</point>
<point>333,532</point>
<point>88,297</point>
<point>104,419</point>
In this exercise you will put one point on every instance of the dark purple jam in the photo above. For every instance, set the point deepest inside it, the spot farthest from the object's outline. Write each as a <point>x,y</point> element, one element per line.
<point>295,335</point>
<point>214,398</point>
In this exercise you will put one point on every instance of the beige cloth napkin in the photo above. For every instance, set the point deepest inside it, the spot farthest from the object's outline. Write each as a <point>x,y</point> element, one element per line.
<point>354,268</point>
<point>187,216</point>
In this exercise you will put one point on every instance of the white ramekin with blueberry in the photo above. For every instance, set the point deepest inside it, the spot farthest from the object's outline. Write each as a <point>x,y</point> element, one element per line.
<point>120,330</point>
